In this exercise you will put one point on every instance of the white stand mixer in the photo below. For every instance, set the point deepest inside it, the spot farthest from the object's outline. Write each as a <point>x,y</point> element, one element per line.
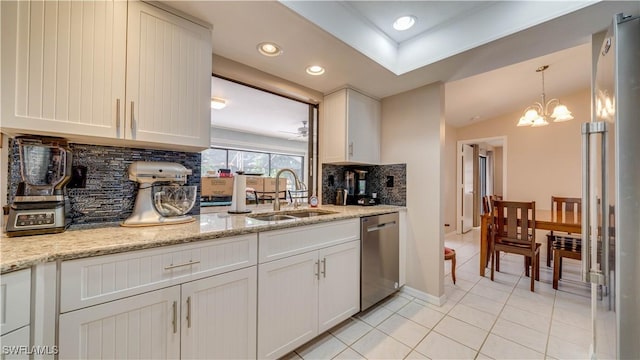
<point>162,199</point>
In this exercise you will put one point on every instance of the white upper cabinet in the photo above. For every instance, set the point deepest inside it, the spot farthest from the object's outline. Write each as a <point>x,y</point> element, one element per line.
<point>350,129</point>
<point>168,78</point>
<point>63,66</point>
<point>105,71</point>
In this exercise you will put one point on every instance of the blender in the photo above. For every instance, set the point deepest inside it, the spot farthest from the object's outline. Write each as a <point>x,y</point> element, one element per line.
<point>39,206</point>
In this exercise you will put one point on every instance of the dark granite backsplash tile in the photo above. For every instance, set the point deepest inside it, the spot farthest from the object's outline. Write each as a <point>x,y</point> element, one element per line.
<point>109,195</point>
<point>377,175</point>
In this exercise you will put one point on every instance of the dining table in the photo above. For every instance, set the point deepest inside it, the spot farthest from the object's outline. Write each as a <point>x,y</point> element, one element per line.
<point>545,220</point>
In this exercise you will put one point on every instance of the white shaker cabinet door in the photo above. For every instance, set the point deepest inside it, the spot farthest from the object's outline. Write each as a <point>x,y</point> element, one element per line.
<point>339,292</point>
<point>287,304</point>
<point>16,345</point>
<point>168,78</point>
<point>219,316</point>
<point>145,326</point>
<point>363,114</point>
<point>63,66</point>
<point>15,300</point>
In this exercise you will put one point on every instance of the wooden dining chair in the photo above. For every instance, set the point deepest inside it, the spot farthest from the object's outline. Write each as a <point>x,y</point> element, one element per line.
<point>563,209</point>
<point>450,254</point>
<point>564,247</point>
<point>513,230</point>
<point>486,204</point>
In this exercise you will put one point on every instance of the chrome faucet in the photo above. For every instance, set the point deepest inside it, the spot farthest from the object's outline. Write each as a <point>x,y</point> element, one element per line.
<point>298,184</point>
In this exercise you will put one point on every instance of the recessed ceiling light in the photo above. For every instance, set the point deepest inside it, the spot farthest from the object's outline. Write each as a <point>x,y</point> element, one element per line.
<point>315,70</point>
<point>218,103</point>
<point>404,22</point>
<point>269,49</point>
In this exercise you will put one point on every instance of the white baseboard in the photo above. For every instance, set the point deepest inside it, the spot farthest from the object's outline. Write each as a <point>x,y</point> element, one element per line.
<point>435,300</point>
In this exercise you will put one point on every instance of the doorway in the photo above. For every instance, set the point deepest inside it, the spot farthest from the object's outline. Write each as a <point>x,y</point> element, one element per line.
<point>481,171</point>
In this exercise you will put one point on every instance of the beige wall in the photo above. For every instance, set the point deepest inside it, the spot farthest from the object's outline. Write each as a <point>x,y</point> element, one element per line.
<point>413,133</point>
<point>543,161</point>
<point>449,185</point>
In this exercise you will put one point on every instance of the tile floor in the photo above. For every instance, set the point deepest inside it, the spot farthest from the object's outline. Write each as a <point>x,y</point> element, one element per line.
<point>480,320</point>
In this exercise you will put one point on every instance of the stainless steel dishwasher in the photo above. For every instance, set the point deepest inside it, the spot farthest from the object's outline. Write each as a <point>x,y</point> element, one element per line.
<point>379,270</point>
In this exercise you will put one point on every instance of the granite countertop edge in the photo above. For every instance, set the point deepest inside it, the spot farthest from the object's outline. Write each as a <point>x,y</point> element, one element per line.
<point>17,253</point>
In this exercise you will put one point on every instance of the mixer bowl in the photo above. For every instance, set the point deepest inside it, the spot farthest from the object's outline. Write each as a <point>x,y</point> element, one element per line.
<point>173,200</point>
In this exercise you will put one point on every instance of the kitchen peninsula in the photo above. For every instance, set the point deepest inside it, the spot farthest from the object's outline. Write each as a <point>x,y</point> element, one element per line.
<point>173,284</point>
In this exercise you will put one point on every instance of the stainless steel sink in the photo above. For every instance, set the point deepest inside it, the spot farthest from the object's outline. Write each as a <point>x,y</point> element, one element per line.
<point>272,217</point>
<point>290,214</point>
<point>308,213</point>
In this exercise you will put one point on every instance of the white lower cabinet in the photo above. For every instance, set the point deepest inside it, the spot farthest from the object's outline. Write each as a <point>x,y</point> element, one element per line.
<point>15,345</point>
<point>144,326</point>
<point>219,316</point>
<point>288,304</point>
<point>339,294</point>
<point>211,318</point>
<point>191,301</point>
<point>304,295</point>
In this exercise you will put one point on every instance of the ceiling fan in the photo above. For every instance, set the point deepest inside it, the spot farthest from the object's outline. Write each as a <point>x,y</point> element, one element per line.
<point>302,132</point>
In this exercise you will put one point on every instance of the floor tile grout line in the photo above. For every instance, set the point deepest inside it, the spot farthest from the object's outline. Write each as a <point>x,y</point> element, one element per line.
<point>498,317</point>
<point>553,310</point>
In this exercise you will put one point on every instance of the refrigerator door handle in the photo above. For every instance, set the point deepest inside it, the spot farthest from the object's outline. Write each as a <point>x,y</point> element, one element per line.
<point>603,271</point>
<point>591,271</point>
<point>586,202</point>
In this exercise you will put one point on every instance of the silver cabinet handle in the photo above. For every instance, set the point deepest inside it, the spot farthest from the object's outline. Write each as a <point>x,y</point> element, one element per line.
<point>317,266</point>
<point>133,119</point>
<point>181,265</point>
<point>351,148</point>
<point>324,267</point>
<point>380,226</point>
<point>174,321</point>
<point>189,312</point>
<point>118,114</point>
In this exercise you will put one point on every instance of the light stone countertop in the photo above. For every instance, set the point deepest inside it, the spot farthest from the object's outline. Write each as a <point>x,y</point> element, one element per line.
<point>22,252</point>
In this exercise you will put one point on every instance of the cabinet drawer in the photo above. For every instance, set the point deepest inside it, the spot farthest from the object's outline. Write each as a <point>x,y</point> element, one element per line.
<point>91,281</point>
<point>282,243</point>
<point>15,300</point>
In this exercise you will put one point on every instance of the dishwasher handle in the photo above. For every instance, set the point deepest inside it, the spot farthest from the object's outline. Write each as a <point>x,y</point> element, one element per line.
<point>380,226</point>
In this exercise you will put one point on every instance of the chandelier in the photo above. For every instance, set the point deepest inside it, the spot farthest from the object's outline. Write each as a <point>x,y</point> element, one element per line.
<point>538,113</point>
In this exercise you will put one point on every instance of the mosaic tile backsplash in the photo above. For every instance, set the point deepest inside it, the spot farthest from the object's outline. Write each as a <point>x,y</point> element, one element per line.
<point>108,194</point>
<point>378,180</point>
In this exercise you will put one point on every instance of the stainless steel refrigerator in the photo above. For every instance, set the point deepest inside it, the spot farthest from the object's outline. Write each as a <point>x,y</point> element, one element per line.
<point>611,193</point>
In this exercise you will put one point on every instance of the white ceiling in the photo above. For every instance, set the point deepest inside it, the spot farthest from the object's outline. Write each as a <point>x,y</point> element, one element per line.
<point>443,29</point>
<point>466,46</point>
<point>430,15</point>
<point>255,111</point>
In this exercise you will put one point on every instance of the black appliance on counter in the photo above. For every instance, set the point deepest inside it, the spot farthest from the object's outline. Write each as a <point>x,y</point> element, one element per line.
<point>356,185</point>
